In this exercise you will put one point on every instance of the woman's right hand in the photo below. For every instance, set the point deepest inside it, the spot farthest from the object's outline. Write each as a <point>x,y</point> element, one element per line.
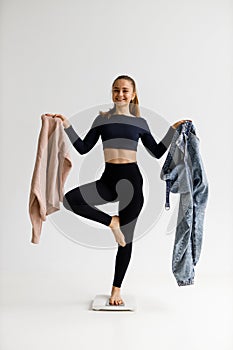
<point>62,117</point>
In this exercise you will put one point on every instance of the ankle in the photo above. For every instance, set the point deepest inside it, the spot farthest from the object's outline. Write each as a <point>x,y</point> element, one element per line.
<point>113,221</point>
<point>115,288</point>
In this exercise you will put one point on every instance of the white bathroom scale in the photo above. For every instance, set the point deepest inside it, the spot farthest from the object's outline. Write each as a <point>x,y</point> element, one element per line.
<point>101,302</point>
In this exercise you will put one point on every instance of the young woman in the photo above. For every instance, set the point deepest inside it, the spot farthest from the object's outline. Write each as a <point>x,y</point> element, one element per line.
<point>120,129</point>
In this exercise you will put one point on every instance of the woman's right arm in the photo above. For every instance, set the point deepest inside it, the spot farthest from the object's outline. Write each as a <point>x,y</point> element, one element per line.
<point>89,141</point>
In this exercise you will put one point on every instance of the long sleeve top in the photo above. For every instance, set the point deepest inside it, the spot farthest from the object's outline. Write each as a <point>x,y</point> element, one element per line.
<point>120,132</point>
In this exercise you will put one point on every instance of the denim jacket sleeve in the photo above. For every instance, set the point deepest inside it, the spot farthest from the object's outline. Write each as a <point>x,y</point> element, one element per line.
<point>184,173</point>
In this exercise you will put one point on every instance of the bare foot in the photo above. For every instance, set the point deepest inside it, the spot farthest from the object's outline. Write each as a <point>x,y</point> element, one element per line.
<point>115,227</point>
<point>115,298</point>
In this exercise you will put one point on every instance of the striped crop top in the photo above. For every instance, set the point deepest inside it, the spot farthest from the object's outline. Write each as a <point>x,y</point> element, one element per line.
<point>122,132</point>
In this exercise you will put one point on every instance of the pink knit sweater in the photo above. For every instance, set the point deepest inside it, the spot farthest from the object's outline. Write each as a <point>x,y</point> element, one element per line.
<point>52,166</point>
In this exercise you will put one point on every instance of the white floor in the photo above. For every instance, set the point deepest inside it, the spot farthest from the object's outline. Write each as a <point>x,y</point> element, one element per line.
<point>54,312</point>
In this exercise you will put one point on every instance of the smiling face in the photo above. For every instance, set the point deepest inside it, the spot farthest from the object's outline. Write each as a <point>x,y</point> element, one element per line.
<point>122,92</point>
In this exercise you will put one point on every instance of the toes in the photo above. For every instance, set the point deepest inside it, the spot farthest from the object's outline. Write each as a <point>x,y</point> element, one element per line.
<point>112,301</point>
<point>115,302</point>
<point>121,244</point>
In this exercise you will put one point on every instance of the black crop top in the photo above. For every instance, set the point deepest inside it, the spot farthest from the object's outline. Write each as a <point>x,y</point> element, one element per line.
<point>122,132</point>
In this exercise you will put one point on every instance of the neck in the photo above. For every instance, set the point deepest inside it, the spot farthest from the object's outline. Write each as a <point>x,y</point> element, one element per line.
<point>122,110</point>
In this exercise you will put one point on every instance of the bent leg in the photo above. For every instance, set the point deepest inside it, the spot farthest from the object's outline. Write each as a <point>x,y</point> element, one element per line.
<point>82,200</point>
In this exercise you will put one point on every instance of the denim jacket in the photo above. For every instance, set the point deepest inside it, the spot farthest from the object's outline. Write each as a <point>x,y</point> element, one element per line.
<point>184,173</point>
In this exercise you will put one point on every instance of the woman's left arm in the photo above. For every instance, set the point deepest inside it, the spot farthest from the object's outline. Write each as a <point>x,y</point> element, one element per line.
<point>158,149</point>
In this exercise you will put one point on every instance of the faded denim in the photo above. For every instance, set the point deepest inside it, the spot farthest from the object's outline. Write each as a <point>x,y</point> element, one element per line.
<point>184,173</point>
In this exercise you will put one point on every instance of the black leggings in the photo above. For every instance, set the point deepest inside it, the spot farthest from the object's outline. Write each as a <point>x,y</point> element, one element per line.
<point>118,182</point>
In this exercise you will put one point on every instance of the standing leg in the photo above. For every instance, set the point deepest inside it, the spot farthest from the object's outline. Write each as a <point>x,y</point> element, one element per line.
<point>128,219</point>
<point>121,264</point>
<point>131,201</point>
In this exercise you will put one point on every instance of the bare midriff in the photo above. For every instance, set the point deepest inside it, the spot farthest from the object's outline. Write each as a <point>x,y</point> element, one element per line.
<point>114,155</point>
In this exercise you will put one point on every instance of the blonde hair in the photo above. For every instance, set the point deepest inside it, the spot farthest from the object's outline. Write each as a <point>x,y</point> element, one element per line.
<point>134,104</point>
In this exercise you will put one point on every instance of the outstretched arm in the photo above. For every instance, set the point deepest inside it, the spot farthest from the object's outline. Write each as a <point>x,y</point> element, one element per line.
<point>158,149</point>
<point>89,141</point>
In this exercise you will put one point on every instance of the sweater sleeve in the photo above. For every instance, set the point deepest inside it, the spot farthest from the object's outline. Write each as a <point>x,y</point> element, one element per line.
<point>89,141</point>
<point>156,149</point>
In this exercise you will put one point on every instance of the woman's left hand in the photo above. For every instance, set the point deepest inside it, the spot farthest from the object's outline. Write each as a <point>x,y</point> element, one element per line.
<point>180,122</point>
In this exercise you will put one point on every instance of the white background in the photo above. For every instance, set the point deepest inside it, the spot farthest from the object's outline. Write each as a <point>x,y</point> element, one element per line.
<point>62,57</point>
